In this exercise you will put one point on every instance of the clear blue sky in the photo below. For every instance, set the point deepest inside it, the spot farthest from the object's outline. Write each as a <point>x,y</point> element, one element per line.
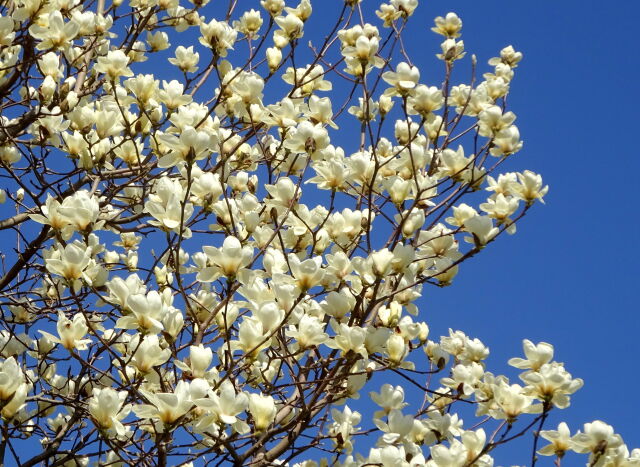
<point>570,274</point>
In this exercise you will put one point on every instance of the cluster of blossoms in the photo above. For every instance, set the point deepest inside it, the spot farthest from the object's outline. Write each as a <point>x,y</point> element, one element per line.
<point>205,271</point>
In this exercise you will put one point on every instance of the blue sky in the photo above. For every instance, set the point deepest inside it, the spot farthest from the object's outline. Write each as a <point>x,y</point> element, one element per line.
<point>569,276</point>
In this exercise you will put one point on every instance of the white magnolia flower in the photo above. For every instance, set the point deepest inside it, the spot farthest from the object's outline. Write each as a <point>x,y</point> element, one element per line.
<point>225,404</point>
<point>309,332</point>
<point>403,80</point>
<point>200,358</point>
<point>107,409</point>
<point>186,59</point>
<point>56,34</point>
<point>537,355</point>
<point>597,437</point>
<point>147,353</point>
<point>71,332</point>
<point>481,228</point>
<point>227,260</point>
<point>263,410</point>
<point>166,407</point>
<point>560,441</point>
<point>114,64</point>
<point>449,26</point>
<point>147,313</point>
<point>165,205</point>
<point>11,377</point>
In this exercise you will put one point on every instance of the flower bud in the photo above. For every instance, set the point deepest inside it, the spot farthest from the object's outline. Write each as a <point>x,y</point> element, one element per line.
<point>263,411</point>
<point>396,348</point>
<point>274,57</point>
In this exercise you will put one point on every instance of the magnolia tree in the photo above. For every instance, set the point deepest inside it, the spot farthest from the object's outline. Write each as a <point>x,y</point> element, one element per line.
<point>211,251</point>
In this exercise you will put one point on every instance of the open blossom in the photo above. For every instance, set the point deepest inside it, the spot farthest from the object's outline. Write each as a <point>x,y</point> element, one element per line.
<point>114,64</point>
<point>506,142</point>
<point>481,228</point>
<point>406,7</point>
<point>121,289</point>
<point>451,50</point>
<point>70,262</point>
<point>147,352</point>
<point>552,383</point>
<point>166,407</point>
<point>559,441</point>
<point>344,425</point>
<point>512,401</point>
<point>191,145</point>
<point>425,100</point>
<point>225,404</point>
<point>6,31</point>
<point>597,437</point>
<point>249,23</point>
<point>291,27</point>
<point>51,214</point>
<point>308,273</point>
<point>11,378</point>
<point>308,332</point>
<point>56,34</point>
<point>449,26</point>
<point>491,120</point>
<point>308,138</point>
<point>80,209</point>
<point>537,355</point>
<point>348,339</point>
<point>166,206</point>
<point>389,398</point>
<point>251,338</point>
<point>307,80</point>
<point>186,59</point>
<point>282,195</point>
<point>227,260</point>
<point>107,409</point>
<point>200,359</point>
<point>218,35</point>
<point>172,94</point>
<point>529,187</point>
<point>274,7</point>
<point>147,312</point>
<point>13,388</point>
<point>508,56</point>
<point>403,80</point>
<point>71,332</point>
<point>501,208</point>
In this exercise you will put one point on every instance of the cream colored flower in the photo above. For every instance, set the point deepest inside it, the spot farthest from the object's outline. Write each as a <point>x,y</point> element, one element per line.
<point>263,410</point>
<point>71,332</point>
<point>147,352</point>
<point>166,407</point>
<point>186,59</point>
<point>403,80</point>
<point>107,409</point>
<point>560,441</point>
<point>56,34</point>
<point>114,64</point>
<point>227,260</point>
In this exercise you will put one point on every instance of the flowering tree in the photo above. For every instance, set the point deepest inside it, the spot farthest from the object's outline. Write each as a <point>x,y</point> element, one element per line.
<point>213,268</point>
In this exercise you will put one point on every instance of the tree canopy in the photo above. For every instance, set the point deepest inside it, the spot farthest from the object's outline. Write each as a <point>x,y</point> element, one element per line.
<point>217,228</point>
